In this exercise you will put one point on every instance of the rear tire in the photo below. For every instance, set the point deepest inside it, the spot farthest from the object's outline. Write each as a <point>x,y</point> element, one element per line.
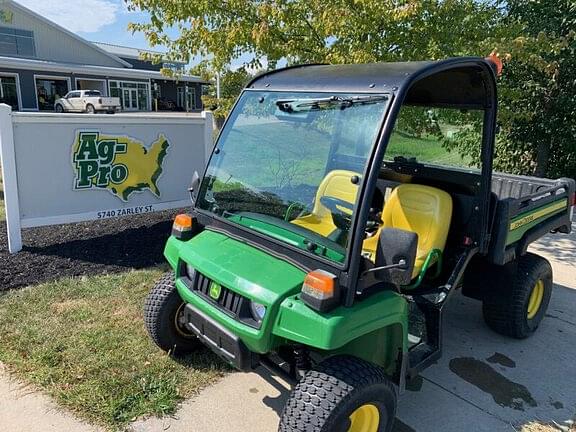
<point>517,311</point>
<point>163,319</point>
<point>342,393</point>
<point>59,109</point>
<point>90,109</point>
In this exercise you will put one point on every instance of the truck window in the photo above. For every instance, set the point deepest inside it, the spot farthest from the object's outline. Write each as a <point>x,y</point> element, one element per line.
<point>438,136</point>
<point>90,93</point>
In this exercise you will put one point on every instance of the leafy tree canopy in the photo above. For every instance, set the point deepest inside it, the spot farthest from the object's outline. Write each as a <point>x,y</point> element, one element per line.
<point>535,38</point>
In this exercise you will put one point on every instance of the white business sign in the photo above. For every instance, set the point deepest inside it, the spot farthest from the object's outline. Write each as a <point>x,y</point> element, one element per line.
<point>62,168</point>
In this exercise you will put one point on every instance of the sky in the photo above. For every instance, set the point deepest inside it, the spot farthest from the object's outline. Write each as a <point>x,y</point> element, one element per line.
<point>99,21</point>
<point>94,20</point>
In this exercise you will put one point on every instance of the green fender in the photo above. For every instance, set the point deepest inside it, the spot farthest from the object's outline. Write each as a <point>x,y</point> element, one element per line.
<point>375,328</point>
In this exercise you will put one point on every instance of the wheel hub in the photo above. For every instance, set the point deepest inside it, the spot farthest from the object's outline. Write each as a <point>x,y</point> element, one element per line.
<point>365,418</point>
<point>180,322</point>
<point>535,300</point>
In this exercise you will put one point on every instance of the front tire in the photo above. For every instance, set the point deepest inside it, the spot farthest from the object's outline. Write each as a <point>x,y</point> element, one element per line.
<point>90,109</point>
<point>517,311</point>
<point>341,394</point>
<point>164,320</point>
<point>59,109</point>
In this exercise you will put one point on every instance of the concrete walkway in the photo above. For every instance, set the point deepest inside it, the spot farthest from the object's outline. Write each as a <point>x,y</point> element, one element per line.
<point>24,410</point>
<point>484,382</point>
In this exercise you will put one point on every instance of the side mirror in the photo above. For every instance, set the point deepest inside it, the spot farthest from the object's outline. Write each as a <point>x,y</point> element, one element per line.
<point>194,184</point>
<point>395,256</point>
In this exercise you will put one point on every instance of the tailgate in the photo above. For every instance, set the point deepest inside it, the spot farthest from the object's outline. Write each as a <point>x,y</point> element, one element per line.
<point>110,101</point>
<point>520,221</point>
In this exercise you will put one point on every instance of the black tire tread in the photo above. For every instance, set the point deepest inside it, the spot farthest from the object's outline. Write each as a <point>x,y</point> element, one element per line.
<point>322,391</point>
<point>160,300</point>
<point>506,314</point>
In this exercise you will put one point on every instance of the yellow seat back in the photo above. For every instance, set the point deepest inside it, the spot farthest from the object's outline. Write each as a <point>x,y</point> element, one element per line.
<point>425,210</point>
<point>337,184</point>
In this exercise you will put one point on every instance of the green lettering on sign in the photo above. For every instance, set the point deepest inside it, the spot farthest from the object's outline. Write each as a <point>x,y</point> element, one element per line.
<point>120,164</point>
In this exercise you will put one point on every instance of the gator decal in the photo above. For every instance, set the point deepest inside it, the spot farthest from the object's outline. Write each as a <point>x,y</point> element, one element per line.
<point>523,222</point>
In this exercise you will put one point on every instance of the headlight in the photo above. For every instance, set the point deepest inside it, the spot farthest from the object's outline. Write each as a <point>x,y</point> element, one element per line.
<point>258,311</point>
<point>190,271</point>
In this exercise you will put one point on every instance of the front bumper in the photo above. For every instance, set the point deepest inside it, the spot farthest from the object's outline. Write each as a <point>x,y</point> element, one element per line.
<point>219,339</point>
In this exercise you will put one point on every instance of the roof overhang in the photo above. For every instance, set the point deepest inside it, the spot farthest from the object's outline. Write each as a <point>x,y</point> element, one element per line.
<point>78,69</point>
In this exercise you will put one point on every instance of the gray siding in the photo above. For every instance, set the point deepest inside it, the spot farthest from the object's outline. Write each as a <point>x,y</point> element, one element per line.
<point>56,45</point>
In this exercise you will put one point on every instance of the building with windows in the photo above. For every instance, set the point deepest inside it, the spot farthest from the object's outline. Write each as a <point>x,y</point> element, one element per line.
<point>41,61</point>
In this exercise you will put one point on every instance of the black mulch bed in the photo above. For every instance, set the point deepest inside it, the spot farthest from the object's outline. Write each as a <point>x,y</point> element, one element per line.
<point>87,248</point>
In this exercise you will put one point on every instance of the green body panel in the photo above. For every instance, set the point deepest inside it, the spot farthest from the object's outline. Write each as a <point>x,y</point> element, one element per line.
<point>522,223</point>
<point>248,271</point>
<point>374,329</point>
<point>333,330</point>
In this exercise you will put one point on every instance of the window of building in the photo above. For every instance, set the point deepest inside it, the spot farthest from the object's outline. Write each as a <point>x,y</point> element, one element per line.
<point>186,98</point>
<point>9,91</point>
<point>48,90</point>
<point>133,95</point>
<point>17,42</point>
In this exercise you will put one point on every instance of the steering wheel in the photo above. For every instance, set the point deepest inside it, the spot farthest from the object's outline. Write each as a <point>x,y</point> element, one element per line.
<point>341,219</point>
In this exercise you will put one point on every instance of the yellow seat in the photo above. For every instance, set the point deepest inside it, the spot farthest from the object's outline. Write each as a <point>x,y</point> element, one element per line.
<point>425,210</point>
<point>336,184</point>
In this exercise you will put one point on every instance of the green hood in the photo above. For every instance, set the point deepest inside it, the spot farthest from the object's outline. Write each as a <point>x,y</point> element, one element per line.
<point>237,266</point>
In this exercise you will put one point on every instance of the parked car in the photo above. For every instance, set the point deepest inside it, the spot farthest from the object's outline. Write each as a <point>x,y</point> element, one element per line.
<point>88,101</point>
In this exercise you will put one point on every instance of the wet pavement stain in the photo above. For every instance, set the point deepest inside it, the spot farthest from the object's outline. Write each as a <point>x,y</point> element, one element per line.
<point>400,426</point>
<point>415,384</point>
<point>557,404</point>
<point>502,360</point>
<point>505,393</point>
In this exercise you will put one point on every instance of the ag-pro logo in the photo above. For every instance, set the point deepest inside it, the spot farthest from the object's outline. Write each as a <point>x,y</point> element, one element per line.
<point>120,164</point>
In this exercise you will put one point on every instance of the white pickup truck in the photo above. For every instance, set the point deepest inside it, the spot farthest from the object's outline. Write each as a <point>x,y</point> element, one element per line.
<point>88,101</point>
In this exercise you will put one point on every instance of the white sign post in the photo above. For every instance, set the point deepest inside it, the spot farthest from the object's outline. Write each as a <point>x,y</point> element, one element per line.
<point>63,168</point>
<point>8,159</point>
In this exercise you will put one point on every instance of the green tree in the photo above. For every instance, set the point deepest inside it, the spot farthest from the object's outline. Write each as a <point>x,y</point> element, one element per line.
<point>339,31</point>
<point>231,84</point>
<point>534,36</point>
<point>538,90</point>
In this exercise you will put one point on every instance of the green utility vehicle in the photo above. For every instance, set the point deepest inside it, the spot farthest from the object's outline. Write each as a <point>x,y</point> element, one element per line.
<point>341,209</point>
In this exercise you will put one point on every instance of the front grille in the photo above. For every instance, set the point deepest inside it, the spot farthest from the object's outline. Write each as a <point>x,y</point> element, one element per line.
<point>228,300</point>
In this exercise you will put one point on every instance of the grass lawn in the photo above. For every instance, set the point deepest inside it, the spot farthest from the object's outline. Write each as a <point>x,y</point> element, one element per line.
<point>83,341</point>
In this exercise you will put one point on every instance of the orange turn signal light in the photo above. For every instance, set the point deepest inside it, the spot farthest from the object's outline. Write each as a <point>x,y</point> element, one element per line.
<point>183,222</point>
<point>319,284</point>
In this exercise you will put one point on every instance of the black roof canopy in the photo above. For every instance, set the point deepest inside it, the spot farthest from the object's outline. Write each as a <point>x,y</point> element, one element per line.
<point>464,82</point>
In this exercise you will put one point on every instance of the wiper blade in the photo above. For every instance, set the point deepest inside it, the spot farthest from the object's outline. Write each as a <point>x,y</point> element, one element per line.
<point>315,104</point>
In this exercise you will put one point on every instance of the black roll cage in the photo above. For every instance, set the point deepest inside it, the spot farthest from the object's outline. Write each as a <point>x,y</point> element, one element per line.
<point>448,83</point>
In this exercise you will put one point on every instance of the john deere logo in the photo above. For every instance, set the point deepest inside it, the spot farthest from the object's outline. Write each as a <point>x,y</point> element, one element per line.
<point>215,290</point>
<point>120,164</point>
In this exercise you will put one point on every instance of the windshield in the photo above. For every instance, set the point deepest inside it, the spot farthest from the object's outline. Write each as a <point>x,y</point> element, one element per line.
<point>288,165</point>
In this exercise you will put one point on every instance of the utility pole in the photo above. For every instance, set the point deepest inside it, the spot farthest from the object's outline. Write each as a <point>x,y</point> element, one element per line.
<point>217,85</point>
